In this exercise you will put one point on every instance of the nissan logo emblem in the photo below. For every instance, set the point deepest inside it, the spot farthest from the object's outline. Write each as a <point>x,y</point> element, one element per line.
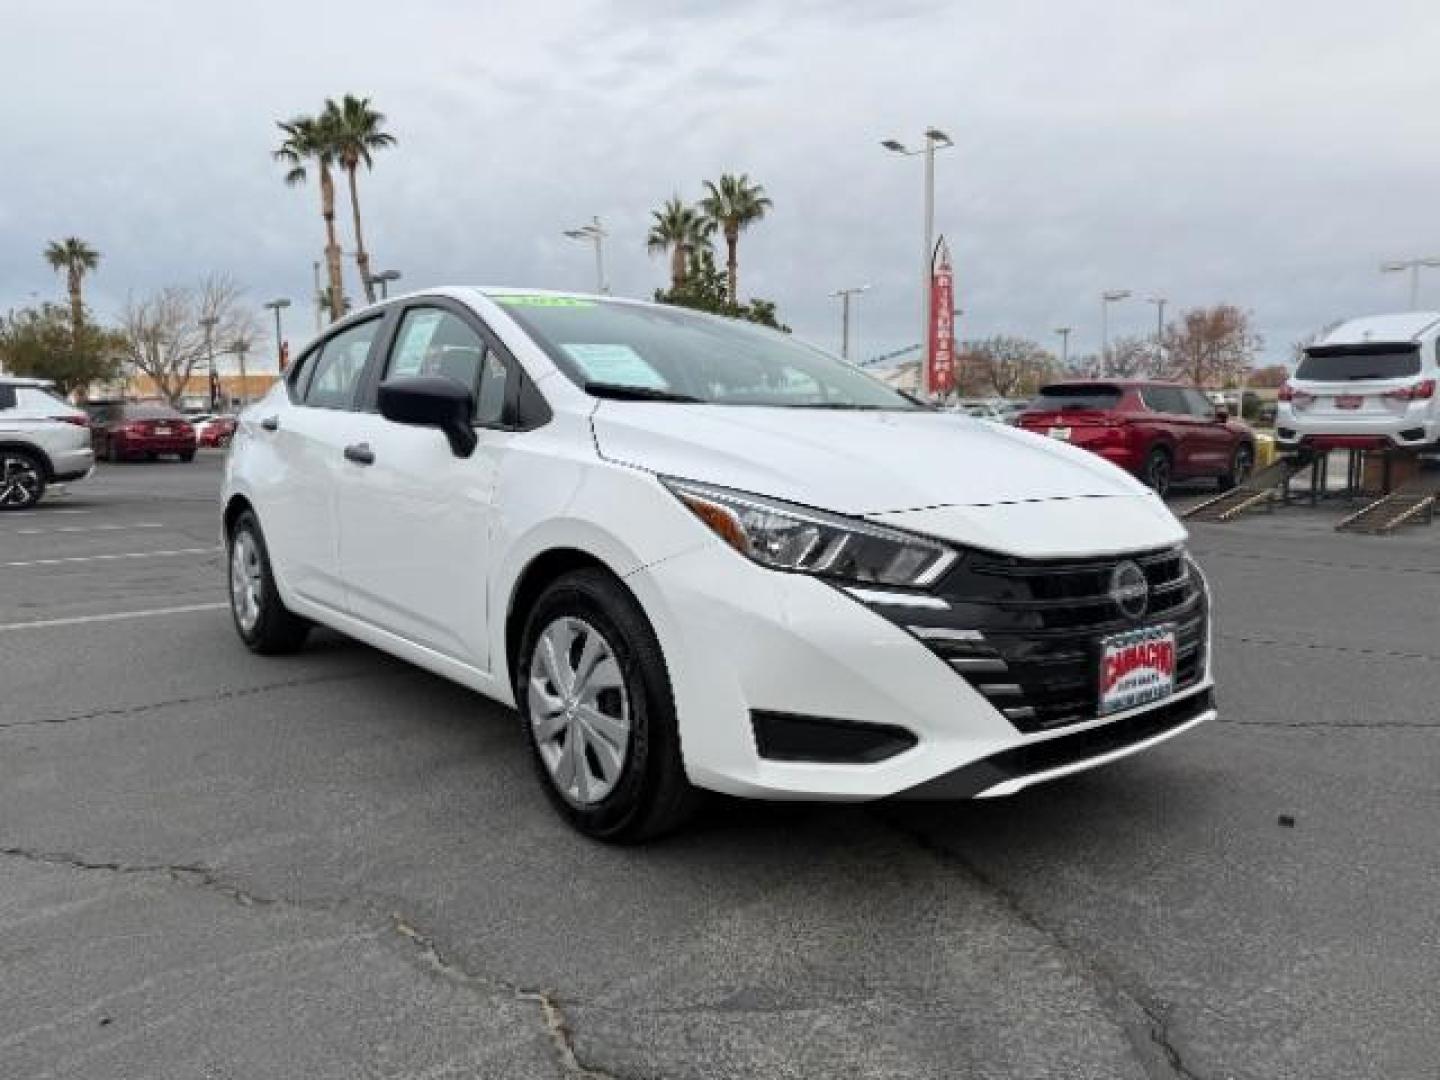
<point>1130,590</point>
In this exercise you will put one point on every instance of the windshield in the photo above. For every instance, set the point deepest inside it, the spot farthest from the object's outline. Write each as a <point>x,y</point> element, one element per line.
<point>672,353</point>
<point>1354,363</point>
<point>1058,398</point>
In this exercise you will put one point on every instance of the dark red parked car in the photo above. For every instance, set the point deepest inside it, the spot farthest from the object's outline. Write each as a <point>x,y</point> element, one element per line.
<point>128,429</point>
<point>1159,431</point>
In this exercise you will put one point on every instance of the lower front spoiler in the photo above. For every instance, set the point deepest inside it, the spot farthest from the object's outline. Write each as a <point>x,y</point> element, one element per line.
<point>1017,768</point>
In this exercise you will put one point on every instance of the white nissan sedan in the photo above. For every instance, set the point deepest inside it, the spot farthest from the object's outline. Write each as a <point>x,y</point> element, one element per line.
<point>698,554</point>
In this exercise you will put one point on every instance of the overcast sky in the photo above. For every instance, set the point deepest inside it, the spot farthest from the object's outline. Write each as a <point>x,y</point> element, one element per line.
<point>1268,153</point>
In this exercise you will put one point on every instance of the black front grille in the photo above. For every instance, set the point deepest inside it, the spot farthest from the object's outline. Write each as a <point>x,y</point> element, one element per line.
<point>1027,633</point>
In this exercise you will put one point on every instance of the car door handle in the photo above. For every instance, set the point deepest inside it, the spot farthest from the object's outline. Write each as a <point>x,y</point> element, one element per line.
<point>360,453</point>
<point>271,423</point>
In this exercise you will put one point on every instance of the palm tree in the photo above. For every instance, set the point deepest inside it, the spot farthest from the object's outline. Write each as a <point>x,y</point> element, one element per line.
<point>76,258</point>
<point>310,139</point>
<point>680,230</point>
<point>732,205</point>
<point>356,129</point>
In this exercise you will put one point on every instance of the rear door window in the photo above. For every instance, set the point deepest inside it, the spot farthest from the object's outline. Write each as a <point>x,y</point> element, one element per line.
<point>1356,364</point>
<point>7,396</point>
<point>1059,398</point>
<point>1165,399</point>
<point>1199,404</point>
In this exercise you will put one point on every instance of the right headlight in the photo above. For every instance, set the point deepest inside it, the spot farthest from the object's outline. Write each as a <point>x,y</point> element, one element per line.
<point>783,536</point>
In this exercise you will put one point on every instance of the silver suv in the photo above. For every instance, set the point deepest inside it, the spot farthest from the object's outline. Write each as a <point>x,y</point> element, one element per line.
<point>43,440</point>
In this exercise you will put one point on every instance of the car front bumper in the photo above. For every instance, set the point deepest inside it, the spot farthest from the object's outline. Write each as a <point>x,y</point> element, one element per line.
<point>741,641</point>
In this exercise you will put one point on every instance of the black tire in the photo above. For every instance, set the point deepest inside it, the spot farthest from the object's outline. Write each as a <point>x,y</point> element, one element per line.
<point>22,480</point>
<point>651,795</point>
<point>188,455</point>
<point>1242,464</point>
<point>112,452</point>
<point>275,630</point>
<point>1159,469</point>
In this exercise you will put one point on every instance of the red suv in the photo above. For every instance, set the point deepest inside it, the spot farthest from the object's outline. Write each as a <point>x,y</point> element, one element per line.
<point>1158,431</point>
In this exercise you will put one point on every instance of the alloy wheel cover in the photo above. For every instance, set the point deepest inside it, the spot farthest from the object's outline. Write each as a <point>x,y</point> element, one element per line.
<point>579,710</point>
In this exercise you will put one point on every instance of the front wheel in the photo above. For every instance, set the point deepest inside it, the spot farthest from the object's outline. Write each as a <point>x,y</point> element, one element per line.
<point>22,480</point>
<point>1242,463</point>
<point>1158,471</point>
<point>600,718</point>
<point>263,621</point>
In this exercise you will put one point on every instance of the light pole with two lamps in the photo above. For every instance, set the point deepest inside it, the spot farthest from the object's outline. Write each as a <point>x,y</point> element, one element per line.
<point>594,233</point>
<point>935,139</point>
<point>1108,297</point>
<point>1397,266</point>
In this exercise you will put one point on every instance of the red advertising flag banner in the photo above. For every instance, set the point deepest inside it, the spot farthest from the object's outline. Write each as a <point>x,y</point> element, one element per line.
<point>942,322</point>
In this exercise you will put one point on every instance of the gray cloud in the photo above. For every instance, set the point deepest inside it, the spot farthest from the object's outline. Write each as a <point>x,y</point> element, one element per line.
<point>1270,155</point>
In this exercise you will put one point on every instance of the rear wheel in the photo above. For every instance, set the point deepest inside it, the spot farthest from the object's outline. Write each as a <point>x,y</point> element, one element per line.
<point>188,455</point>
<point>1242,464</point>
<point>1158,470</point>
<point>600,718</point>
<point>22,480</point>
<point>263,621</point>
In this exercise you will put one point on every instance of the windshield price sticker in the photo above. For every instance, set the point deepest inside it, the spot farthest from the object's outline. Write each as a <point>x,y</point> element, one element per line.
<point>617,364</point>
<point>1136,668</point>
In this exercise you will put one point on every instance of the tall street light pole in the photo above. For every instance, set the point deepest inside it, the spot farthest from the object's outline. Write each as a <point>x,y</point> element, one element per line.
<point>278,306</point>
<point>1108,297</point>
<point>594,233</point>
<point>935,139</point>
<point>1159,302</point>
<point>383,279</point>
<point>240,348</point>
<point>845,295</point>
<point>1064,332</point>
<point>208,322</point>
<point>1413,265</point>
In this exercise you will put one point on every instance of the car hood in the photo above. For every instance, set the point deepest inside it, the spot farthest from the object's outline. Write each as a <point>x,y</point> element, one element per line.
<point>857,463</point>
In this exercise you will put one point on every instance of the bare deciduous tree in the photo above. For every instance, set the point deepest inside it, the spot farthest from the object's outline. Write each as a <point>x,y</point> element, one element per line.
<point>168,334</point>
<point>1211,346</point>
<point>1133,357</point>
<point>1011,365</point>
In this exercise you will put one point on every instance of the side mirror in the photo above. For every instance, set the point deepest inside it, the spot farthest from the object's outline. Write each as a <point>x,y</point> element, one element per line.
<point>432,401</point>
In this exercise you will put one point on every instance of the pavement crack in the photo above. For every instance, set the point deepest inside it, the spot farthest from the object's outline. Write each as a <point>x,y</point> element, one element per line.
<point>552,1014</point>
<point>1145,1020</point>
<point>194,875</point>
<point>197,699</point>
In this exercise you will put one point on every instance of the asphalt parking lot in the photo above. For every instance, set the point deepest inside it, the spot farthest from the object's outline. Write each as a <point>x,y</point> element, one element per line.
<point>334,865</point>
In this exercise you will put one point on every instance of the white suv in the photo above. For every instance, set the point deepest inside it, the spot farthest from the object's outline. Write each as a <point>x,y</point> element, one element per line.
<point>43,440</point>
<point>1369,383</point>
<point>695,553</point>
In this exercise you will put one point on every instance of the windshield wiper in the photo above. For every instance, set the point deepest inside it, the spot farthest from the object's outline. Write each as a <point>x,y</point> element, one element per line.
<point>621,392</point>
<point>847,405</point>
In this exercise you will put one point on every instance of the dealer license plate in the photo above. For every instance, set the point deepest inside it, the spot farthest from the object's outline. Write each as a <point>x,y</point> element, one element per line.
<point>162,431</point>
<point>1136,668</point>
<point>1349,401</point>
<point>1061,433</point>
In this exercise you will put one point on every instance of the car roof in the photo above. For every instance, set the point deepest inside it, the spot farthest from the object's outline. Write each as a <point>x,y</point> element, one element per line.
<point>1119,383</point>
<point>21,380</point>
<point>1396,326</point>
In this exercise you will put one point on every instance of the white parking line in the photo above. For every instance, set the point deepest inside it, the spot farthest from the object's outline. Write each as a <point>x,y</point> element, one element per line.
<point>107,558</point>
<point>91,528</point>
<point>31,513</point>
<point>116,616</point>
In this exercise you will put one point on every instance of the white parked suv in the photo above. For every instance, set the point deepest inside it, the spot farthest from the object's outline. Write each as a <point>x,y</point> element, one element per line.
<point>43,440</point>
<point>699,554</point>
<point>1368,384</point>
